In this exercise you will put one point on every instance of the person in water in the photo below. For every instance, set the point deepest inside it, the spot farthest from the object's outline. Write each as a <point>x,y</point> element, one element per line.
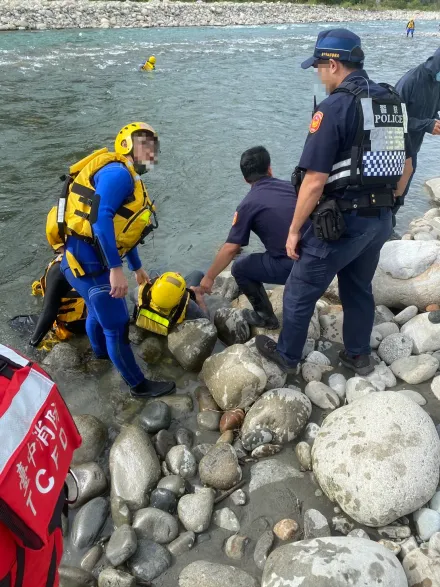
<point>150,64</point>
<point>410,27</point>
<point>103,213</point>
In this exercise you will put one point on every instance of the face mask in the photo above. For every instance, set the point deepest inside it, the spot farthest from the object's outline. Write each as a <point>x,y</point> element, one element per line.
<point>437,77</point>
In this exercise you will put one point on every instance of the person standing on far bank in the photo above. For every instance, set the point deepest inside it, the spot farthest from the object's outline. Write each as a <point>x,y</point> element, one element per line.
<point>419,88</point>
<point>355,161</point>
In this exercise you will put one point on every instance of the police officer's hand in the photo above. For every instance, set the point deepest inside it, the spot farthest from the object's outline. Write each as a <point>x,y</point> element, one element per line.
<point>436,130</point>
<point>118,283</point>
<point>292,245</point>
<point>206,284</point>
<point>142,276</point>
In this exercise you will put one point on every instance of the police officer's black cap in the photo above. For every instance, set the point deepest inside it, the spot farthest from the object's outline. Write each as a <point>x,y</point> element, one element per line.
<point>340,44</point>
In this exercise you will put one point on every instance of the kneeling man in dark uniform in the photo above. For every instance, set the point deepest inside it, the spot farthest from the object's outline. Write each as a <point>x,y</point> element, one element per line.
<point>267,210</point>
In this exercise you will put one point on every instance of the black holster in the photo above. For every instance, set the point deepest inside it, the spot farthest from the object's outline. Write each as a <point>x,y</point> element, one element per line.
<point>328,221</point>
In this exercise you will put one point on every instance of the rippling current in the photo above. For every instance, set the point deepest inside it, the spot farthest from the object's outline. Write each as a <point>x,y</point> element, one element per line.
<point>216,92</point>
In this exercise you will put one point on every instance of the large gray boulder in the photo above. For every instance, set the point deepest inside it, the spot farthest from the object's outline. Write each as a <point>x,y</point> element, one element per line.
<point>284,412</point>
<point>134,467</point>
<point>415,369</point>
<point>433,187</point>
<point>149,561</point>
<point>338,561</point>
<point>192,342</point>
<point>408,274</point>
<point>206,574</point>
<point>235,377</point>
<point>424,334</point>
<point>378,458</point>
<point>226,286</point>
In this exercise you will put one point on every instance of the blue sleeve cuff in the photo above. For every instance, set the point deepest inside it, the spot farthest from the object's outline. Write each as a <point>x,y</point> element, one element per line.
<point>133,260</point>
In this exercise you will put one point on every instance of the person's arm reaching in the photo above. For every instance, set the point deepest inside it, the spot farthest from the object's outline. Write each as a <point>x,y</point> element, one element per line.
<point>221,261</point>
<point>311,190</point>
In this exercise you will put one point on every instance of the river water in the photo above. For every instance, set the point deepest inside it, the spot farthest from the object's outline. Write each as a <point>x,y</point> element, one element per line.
<point>216,92</point>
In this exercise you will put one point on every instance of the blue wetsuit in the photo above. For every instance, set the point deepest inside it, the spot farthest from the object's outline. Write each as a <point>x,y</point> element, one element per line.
<point>108,318</point>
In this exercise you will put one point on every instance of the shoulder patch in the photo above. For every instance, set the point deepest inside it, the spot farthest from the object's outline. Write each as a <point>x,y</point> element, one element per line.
<point>234,220</point>
<point>316,122</point>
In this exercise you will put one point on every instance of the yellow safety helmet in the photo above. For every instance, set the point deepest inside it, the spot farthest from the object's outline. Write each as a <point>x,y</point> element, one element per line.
<point>152,59</point>
<point>167,291</point>
<point>126,134</point>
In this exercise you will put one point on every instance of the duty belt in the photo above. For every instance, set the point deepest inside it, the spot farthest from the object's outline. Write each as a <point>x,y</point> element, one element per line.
<point>378,200</point>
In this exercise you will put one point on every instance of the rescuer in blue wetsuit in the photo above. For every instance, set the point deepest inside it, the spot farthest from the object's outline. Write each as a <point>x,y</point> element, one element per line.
<point>266,210</point>
<point>354,163</point>
<point>106,213</point>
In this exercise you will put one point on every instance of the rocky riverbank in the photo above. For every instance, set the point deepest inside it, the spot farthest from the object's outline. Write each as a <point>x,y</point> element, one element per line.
<point>247,477</point>
<point>63,14</point>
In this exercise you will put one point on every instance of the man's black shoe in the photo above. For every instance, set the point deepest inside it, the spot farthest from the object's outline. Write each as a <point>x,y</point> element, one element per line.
<point>434,317</point>
<point>268,348</point>
<point>147,388</point>
<point>361,364</point>
<point>255,319</point>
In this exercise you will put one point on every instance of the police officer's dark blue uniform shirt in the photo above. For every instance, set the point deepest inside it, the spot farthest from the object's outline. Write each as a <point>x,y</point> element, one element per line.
<point>267,210</point>
<point>333,129</point>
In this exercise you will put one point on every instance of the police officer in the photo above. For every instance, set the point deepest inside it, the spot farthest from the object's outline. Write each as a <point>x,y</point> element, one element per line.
<point>266,211</point>
<point>353,165</point>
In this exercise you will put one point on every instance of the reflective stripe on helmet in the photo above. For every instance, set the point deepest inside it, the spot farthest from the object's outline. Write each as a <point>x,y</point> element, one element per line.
<point>16,422</point>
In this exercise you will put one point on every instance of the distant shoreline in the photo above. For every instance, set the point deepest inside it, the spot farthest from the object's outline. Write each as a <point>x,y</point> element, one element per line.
<point>67,14</point>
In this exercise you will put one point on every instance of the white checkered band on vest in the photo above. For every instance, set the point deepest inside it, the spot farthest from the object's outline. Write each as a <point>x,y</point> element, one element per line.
<point>383,163</point>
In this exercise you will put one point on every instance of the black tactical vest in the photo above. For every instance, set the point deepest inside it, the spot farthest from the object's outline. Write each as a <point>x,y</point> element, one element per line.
<point>377,157</point>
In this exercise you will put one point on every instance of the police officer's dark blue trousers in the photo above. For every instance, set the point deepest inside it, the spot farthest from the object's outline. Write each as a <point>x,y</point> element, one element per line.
<point>261,268</point>
<point>107,324</point>
<point>353,258</point>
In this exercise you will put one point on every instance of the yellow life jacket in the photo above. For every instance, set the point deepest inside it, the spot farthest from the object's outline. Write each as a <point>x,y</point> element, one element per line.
<point>72,308</point>
<point>153,318</point>
<point>148,66</point>
<point>410,25</point>
<point>78,206</point>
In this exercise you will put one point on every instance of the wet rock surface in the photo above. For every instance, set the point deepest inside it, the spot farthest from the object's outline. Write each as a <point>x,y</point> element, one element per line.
<point>122,545</point>
<point>149,561</point>
<point>195,510</point>
<point>156,525</point>
<point>89,522</point>
<point>94,437</point>
<point>155,416</point>
<point>134,466</point>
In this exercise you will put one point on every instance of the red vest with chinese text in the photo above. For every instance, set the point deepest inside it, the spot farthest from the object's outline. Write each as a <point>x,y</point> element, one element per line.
<point>38,437</point>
